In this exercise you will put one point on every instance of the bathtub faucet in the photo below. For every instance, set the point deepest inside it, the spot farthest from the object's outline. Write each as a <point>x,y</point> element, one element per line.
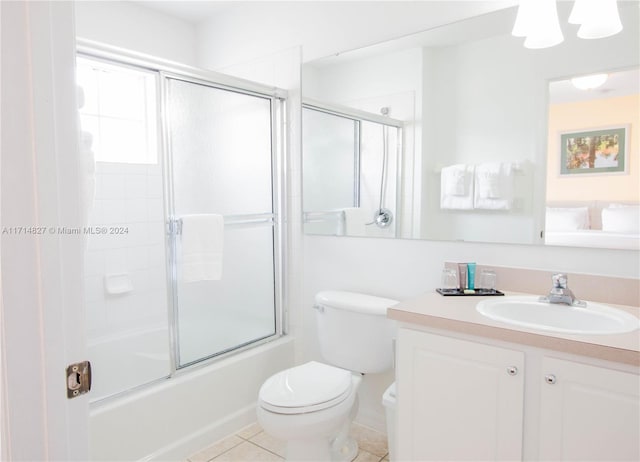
<point>560,292</point>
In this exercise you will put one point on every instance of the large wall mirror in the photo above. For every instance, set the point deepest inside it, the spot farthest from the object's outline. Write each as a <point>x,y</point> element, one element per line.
<point>460,133</point>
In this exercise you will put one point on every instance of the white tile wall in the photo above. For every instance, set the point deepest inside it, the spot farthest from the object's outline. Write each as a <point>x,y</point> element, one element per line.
<point>130,196</point>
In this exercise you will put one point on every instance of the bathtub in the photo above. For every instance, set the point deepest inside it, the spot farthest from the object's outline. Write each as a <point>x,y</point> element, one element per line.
<point>123,362</point>
<point>173,418</point>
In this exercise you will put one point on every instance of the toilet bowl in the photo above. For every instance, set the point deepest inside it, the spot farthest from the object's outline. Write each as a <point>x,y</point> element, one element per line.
<point>310,407</point>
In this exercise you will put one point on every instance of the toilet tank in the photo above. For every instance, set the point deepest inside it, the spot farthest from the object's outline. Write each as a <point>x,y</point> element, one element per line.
<point>354,331</point>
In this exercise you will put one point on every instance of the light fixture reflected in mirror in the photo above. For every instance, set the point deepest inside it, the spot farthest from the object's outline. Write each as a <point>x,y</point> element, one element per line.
<point>537,20</point>
<point>597,18</point>
<point>589,82</point>
<point>523,24</point>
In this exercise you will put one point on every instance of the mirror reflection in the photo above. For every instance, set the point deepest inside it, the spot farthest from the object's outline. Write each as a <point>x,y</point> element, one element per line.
<point>352,161</point>
<point>591,194</point>
<point>475,158</point>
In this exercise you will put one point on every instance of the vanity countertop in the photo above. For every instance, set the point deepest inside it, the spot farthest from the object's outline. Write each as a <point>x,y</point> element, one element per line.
<point>458,314</point>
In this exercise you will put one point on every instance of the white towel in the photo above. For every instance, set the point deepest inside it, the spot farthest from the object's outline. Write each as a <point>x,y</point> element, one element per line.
<point>355,220</point>
<point>455,182</point>
<point>202,244</point>
<point>488,185</point>
<point>456,187</point>
<point>494,186</point>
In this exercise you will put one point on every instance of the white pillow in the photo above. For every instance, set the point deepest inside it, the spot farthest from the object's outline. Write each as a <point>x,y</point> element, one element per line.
<point>621,219</point>
<point>567,219</point>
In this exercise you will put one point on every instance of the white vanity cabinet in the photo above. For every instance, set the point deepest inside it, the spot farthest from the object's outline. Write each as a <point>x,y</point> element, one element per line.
<point>457,400</point>
<point>584,408</point>
<point>473,398</point>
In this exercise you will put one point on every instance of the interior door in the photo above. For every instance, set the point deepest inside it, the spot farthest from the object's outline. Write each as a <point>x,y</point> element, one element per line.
<point>42,312</point>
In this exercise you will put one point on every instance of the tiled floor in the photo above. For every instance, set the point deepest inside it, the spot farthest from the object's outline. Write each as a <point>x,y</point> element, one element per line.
<point>252,444</point>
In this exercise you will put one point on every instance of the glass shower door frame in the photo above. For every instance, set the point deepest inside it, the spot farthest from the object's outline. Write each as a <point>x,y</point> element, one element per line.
<point>277,99</point>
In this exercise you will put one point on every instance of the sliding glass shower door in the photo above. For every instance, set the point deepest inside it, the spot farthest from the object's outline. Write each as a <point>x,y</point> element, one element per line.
<point>221,207</point>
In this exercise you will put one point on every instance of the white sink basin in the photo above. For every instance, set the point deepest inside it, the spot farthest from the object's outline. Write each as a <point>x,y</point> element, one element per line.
<point>527,311</point>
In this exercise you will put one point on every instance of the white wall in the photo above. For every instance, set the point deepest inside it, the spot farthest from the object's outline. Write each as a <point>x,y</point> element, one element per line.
<point>248,32</point>
<point>134,27</point>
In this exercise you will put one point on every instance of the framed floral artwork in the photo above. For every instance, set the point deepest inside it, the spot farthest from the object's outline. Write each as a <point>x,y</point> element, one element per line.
<point>594,151</point>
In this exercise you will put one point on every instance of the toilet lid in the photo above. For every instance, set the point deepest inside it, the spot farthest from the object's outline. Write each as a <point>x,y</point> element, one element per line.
<point>309,387</point>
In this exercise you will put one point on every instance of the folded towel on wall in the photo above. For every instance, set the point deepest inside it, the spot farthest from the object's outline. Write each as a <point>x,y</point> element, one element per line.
<point>488,185</point>
<point>494,184</point>
<point>202,243</point>
<point>456,187</point>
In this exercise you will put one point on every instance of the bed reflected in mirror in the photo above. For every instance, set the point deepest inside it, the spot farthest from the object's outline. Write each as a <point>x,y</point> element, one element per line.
<point>592,182</point>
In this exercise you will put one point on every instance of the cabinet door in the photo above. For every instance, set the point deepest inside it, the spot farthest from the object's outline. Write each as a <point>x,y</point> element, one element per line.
<point>588,413</point>
<point>457,399</point>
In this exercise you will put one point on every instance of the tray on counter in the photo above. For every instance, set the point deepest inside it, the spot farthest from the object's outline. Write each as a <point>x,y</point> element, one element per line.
<point>476,293</point>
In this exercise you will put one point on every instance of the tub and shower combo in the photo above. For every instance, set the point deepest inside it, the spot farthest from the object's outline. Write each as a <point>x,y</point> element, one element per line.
<point>184,169</point>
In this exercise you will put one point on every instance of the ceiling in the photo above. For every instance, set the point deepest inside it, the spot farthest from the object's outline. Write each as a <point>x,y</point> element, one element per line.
<point>196,11</point>
<point>620,83</point>
<point>492,23</point>
<point>188,10</point>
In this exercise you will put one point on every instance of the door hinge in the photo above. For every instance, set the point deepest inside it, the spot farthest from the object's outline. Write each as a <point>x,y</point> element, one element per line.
<point>78,379</point>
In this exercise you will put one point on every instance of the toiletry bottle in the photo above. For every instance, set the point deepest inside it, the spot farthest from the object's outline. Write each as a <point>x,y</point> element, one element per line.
<point>471,274</point>
<point>462,276</point>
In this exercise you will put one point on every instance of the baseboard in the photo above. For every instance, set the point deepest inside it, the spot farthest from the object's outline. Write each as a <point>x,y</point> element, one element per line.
<point>180,449</point>
<point>373,420</point>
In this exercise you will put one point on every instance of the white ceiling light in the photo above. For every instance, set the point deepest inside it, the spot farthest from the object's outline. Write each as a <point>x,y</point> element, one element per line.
<point>537,20</point>
<point>523,22</point>
<point>589,82</point>
<point>597,18</point>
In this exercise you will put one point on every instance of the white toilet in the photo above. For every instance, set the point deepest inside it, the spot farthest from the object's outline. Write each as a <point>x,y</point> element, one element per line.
<point>311,406</point>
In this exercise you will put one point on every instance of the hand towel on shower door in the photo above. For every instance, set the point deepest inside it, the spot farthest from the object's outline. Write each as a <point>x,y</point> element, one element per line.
<point>202,244</point>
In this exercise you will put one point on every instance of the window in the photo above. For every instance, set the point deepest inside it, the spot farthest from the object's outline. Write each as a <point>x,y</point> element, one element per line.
<point>119,111</point>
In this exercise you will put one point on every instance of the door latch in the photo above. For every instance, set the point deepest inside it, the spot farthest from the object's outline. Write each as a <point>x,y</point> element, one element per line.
<point>78,379</point>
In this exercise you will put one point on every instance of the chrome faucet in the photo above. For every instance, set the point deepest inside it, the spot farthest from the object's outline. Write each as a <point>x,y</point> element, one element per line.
<point>560,292</point>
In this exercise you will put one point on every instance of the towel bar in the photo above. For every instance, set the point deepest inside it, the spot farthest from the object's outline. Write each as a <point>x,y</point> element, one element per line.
<point>174,225</point>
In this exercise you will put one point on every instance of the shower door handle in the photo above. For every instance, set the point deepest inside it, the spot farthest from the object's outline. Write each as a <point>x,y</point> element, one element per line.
<point>174,226</point>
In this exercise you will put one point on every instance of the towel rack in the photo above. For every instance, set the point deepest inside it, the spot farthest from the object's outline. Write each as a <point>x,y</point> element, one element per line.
<point>174,225</point>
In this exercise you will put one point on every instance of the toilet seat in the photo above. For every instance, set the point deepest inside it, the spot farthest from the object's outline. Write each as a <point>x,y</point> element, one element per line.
<point>306,388</point>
